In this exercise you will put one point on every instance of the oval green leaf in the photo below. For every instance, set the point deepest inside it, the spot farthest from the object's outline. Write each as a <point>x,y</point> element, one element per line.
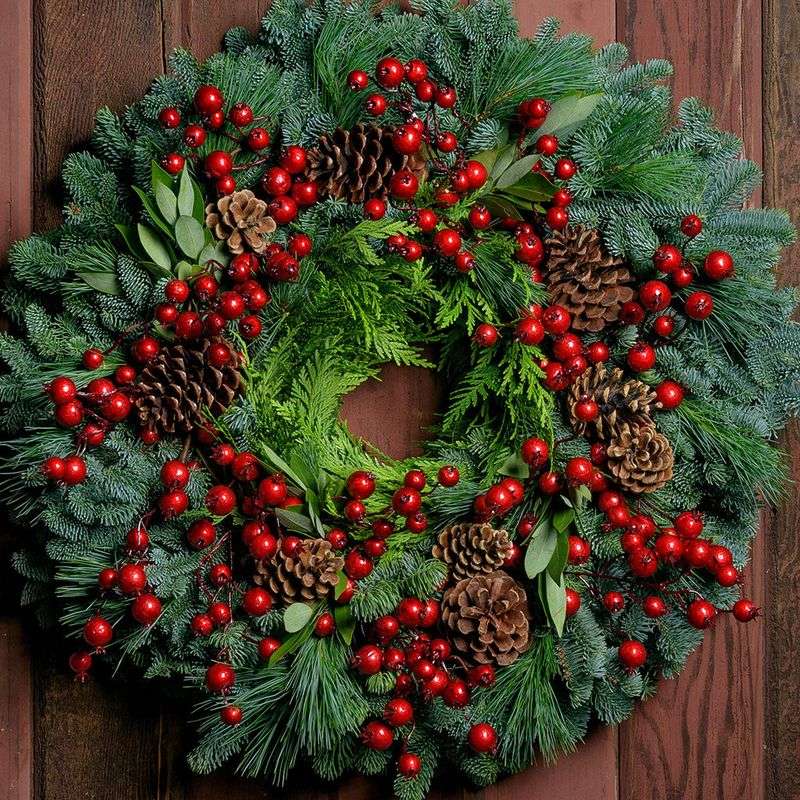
<point>190,236</point>
<point>185,194</point>
<point>297,616</point>
<point>517,171</point>
<point>568,114</point>
<point>167,203</point>
<point>541,548</point>
<point>154,246</point>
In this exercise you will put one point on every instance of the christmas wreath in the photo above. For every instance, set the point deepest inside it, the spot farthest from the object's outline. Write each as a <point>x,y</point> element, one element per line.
<point>252,241</point>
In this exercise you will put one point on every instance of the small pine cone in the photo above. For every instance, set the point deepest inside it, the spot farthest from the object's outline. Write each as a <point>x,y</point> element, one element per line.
<point>241,220</point>
<point>472,549</point>
<point>311,574</point>
<point>179,390</point>
<point>488,618</point>
<point>623,402</point>
<point>584,278</point>
<point>358,164</point>
<point>640,459</point>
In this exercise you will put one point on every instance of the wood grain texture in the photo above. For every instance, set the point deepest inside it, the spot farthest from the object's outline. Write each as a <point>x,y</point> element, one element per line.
<point>782,188</point>
<point>702,735</point>
<point>16,178</point>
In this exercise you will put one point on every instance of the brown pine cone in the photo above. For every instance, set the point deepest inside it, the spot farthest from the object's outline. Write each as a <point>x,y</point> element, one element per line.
<point>357,164</point>
<point>472,549</point>
<point>584,278</point>
<point>488,618</point>
<point>624,402</point>
<point>179,390</point>
<point>241,220</point>
<point>311,574</point>
<point>640,459</point>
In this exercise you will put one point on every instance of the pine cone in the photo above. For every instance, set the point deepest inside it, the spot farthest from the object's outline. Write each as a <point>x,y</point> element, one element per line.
<point>584,278</point>
<point>241,220</point>
<point>625,403</point>
<point>640,459</point>
<point>357,164</point>
<point>179,390</point>
<point>311,574</point>
<point>489,618</point>
<point>472,549</point>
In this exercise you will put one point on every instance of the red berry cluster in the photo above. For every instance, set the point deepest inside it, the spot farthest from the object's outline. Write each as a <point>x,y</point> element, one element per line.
<point>424,669</point>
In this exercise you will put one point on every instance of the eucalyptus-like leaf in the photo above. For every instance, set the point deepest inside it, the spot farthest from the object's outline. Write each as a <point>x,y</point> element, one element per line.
<point>154,246</point>
<point>185,194</point>
<point>105,282</point>
<point>190,236</point>
<point>541,547</point>
<point>167,203</point>
<point>516,171</point>
<point>297,616</point>
<point>568,114</point>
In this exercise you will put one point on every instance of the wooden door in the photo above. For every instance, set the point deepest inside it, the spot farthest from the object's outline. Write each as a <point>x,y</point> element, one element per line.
<point>728,728</point>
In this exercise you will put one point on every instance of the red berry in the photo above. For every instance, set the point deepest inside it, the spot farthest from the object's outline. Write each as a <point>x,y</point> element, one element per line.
<point>375,208</point>
<point>403,184</point>
<point>556,319</point>
<point>446,142</point>
<point>208,99</point>
<point>406,139</point>
<point>131,578</point>
<point>727,576</point>
<point>573,602</point>
<point>477,174</point>
<point>670,394</point>
<point>482,738</point>
<point>174,474</point>
<point>137,539</point>
<point>655,295</point>
<point>375,105</point>
<point>409,765</point>
<point>69,414</point>
<point>194,136</point>
<point>398,712</point>
<point>667,258</point>
<point>700,613</point>
<point>389,73</point>
<point>256,601</point>
<point>565,169</point>
<point>272,490</point>
<point>173,163</point>
<point>146,609</point>
<point>664,326</point>
<point>189,325</point>
<point>654,606</point>
<point>357,565</point>
<point>745,610</point>
<point>74,471</point>
<point>697,553</point>
<point>691,225</point>
<point>613,602</point>
<point>267,646</point>
<point>220,500</point>
<point>586,409</point>
<point>718,265</point>
<point>220,575</point>
<point>598,352</point>
<point>550,483</point>
<point>361,485</point>
<point>448,476</point>
<point>425,91</point>
<point>682,277</point>
<point>535,452</point>
<point>377,736</point>
<point>240,115</point>
<point>218,163</point>
<point>263,546</point>
<point>325,625</point>
<point>641,357</point>
<point>201,534</point>
<point>97,632</point>
<point>669,548</point>
<point>699,305</point>
<point>547,144</point>
<point>562,197</point>
<point>53,468</point>
<point>304,193</point>
<point>93,358</point>
<point>258,139</point>
<point>578,471</point>
<point>643,562</point>
<point>169,117</point>
<point>220,678</point>
<point>689,524</point>
<point>632,654</point>
<point>220,612</point>
<point>485,335</point>
<point>557,217</point>
<point>447,242</point>
<point>358,80</point>
<point>445,96</point>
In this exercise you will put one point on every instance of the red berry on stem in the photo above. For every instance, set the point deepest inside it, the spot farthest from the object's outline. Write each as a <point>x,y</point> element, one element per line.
<point>256,601</point>
<point>146,609</point>
<point>74,471</point>
<point>745,610</point>
<point>445,96</point>
<point>403,185</point>
<point>482,738</point>
<point>667,258</point>
<point>218,163</point>
<point>573,602</point>
<point>93,358</point>
<point>641,357</point>
<point>670,394</point>
<point>377,736</point>
<point>220,678</point>
<point>632,654</point>
<point>208,99</point>
<point>691,225</point>
<point>689,524</point>
<point>448,476</point>
<point>358,80</point>
<point>718,265</point>
<point>700,613</point>
<point>613,602</point>
<point>220,500</point>
<point>375,105</point>
<point>655,295</point>
<point>699,305</point>
<point>485,335</point>
<point>169,117</point>
<point>664,326</point>
<point>654,606</point>
<point>97,632</point>
<point>643,562</point>
<point>173,163</point>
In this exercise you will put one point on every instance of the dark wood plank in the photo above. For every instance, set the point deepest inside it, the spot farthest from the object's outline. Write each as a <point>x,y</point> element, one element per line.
<point>98,740</point>
<point>16,176</point>
<point>702,736</point>
<point>781,28</point>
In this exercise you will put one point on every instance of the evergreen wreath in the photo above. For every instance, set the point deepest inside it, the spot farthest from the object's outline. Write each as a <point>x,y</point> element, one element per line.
<point>251,242</point>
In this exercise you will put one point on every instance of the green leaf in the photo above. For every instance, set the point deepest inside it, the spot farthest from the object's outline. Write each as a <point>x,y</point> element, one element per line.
<point>291,643</point>
<point>562,519</point>
<point>167,203</point>
<point>131,239</point>
<point>158,175</point>
<point>505,158</point>
<point>515,467</point>
<point>278,463</point>
<point>185,194</point>
<point>105,282</point>
<point>299,523</point>
<point>341,585</point>
<point>199,203</point>
<point>153,212</point>
<point>568,114</point>
<point>555,567</point>
<point>186,270</point>
<point>154,246</point>
<point>541,548</point>
<point>556,595</point>
<point>297,616</point>
<point>533,186</point>
<point>517,171</point>
<point>190,236</point>
<point>215,251</point>
<point>487,158</point>
<point>581,496</point>
<point>345,623</point>
<point>500,206</point>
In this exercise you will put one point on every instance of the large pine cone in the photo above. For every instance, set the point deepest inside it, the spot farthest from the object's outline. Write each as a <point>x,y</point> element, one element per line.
<point>640,459</point>
<point>179,390</point>
<point>472,549</point>
<point>488,617</point>
<point>584,278</point>
<point>241,220</point>
<point>311,574</point>
<point>625,403</point>
<point>357,164</point>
